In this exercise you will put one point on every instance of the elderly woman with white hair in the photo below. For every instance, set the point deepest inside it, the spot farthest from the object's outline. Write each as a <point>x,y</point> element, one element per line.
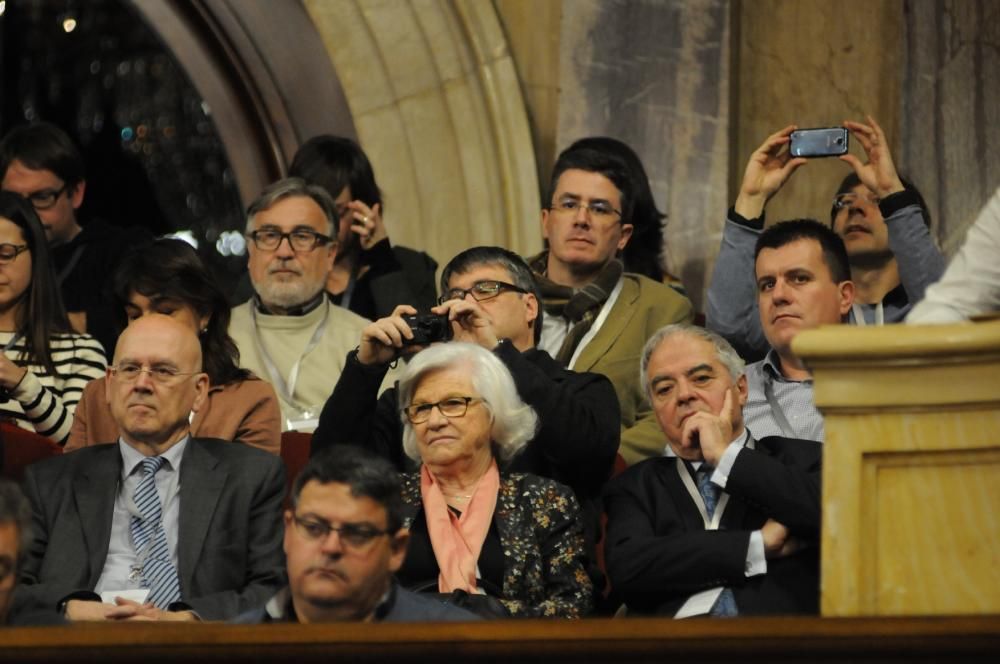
<point>517,537</point>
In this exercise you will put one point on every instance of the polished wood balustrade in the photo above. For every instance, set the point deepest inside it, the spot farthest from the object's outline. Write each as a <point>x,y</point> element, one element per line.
<point>745,640</point>
<point>911,467</point>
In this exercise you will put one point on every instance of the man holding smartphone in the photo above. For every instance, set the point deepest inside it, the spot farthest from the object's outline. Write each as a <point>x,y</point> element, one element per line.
<point>882,220</point>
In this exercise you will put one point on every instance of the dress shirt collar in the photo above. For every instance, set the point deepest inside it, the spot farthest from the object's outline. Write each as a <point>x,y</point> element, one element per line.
<point>771,365</point>
<point>131,457</point>
<point>742,439</point>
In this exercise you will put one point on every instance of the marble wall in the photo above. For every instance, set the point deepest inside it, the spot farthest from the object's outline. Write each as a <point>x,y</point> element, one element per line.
<point>437,106</point>
<point>652,73</point>
<point>950,108</point>
<point>696,86</point>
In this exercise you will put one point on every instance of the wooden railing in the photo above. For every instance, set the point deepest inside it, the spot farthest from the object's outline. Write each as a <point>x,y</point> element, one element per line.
<point>620,640</point>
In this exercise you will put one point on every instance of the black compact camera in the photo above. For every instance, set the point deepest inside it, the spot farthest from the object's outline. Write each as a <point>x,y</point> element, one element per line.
<point>428,328</point>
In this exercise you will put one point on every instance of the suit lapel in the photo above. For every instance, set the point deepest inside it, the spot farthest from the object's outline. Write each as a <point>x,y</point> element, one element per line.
<point>202,481</point>
<point>614,324</point>
<point>94,491</point>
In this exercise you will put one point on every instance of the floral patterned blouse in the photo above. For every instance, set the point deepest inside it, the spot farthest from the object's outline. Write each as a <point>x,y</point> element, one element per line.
<point>543,547</point>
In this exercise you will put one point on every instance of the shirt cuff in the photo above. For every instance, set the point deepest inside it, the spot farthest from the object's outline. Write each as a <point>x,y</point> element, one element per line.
<point>753,224</point>
<point>756,561</point>
<point>725,465</point>
<point>893,203</point>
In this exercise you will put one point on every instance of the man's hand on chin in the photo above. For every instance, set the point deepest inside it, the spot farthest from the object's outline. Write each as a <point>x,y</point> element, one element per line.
<point>712,433</point>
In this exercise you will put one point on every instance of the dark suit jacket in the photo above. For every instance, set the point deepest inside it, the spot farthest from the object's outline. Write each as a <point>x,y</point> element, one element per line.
<point>229,546</point>
<point>658,552</point>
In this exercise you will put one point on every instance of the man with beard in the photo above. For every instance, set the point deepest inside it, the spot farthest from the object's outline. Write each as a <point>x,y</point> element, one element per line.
<point>289,333</point>
<point>881,218</point>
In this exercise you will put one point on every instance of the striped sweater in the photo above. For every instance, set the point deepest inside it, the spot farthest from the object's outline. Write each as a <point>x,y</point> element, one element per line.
<point>44,403</point>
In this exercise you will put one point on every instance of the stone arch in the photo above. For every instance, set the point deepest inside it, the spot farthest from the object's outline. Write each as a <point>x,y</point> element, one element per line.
<point>437,105</point>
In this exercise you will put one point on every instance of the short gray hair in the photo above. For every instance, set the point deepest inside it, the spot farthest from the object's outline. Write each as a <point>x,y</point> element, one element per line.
<point>291,187</point>
<point>14,508</point>
<point>723,350</point>
<point>514,422</point>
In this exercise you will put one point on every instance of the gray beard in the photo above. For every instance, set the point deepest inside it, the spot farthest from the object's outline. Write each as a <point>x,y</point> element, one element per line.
<point>287,295</point>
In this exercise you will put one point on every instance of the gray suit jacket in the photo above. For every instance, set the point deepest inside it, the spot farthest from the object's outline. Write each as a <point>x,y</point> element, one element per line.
<point>229,549</point>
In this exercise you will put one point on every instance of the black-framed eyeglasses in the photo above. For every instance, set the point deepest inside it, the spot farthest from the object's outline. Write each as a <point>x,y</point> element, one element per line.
<point>598,210</point>
<point>352,535</point>
<point>301,239</point>
<point>43,199</point>
<point>841,201</point>
<point>481,290</point>
<point>8,252</point>
<point>161,373</point>
<point>450,407</point>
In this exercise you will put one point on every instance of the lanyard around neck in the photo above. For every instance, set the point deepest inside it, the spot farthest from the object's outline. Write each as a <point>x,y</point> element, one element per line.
<point>287,390</point>
<point>776,411</point>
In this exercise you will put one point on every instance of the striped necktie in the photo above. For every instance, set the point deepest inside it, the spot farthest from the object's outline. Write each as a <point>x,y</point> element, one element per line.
<point>150,539</point>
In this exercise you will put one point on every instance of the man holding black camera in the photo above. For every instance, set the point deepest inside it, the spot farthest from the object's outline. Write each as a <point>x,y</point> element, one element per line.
<point>490,298</point>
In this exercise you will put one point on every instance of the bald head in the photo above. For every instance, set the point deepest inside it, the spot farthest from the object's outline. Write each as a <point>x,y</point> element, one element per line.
<point>156,382</point>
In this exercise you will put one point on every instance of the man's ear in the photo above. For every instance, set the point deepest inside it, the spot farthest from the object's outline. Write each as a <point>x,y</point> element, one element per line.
<point>744,390</point>
<point>397,549</point>
<point>107,384</point>
<point>846,293</point>
<point>75,195</point>
<point>531,309</point>
<point>201,391</point>
<point>626,236</point>
<point>546,217</point>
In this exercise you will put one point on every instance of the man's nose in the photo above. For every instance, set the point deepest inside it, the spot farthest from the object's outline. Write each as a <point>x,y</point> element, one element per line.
<point>284,248</point>
<point>144,381</point>
<point>332,545</point>
<point>582,216</point>
<point>779,293</point>
<point>684,390</point>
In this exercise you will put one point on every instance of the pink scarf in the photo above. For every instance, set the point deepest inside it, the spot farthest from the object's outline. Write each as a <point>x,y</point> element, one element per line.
<point>456,540</point>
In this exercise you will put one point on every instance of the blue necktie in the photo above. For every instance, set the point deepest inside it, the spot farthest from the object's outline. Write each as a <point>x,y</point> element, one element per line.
<point>725,605</point>
<point>150,540</point>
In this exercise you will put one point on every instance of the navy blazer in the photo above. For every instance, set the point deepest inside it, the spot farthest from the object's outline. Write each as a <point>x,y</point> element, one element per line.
<point>658,552</point>
<point>229,548</point>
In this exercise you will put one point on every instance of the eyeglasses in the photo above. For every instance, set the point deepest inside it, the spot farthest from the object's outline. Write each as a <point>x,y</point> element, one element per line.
<point>161,373</point>
<point>301,239</point>
<point>8,252</point>
<point>842,201</point>
<point>481,290</point>
<point>43,199</point>
<point>450,407</point>
<point>599,210</point>
<point>352,535</point>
